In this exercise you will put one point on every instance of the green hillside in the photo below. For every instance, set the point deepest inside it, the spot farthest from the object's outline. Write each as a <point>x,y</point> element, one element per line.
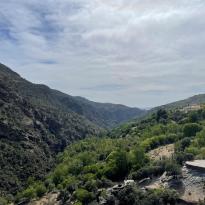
<point>96,164</point>
<point>37,122</point>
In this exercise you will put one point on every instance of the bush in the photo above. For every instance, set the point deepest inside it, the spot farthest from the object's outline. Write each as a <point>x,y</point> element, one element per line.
<point>162,116</point>
<point>182,157</point>
<point>117,165</point>
<point>147,171</point>
<point>157,141</point>
<point>137,158</point>
<point>40,190</point>
<point>190,129</point>
<point>83,196</point>
<point>28,193</point>
<point>3,201</point>
<point>182,144</point>
<point>169,166</point>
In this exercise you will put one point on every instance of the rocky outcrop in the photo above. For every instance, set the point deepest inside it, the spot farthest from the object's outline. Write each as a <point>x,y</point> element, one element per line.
<point>193,185</point>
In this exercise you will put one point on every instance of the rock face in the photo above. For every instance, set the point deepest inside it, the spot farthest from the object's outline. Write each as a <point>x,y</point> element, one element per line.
<point>193,185</point>
<point>190,185</point>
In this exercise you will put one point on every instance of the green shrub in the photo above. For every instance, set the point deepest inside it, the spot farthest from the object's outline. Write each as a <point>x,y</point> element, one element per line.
<point>137,158</point>
<point>83,196</point>
<point>117,165</point>
<point>148,171</point>
<point>182,157</point>
<point>190,129</point>
<point>40,189</point>
<point>29,193</point>
<point>3,201</point>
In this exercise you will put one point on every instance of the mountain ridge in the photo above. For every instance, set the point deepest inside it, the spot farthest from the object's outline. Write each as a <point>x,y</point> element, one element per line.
<point>106,115</point>
<point>36,123</point>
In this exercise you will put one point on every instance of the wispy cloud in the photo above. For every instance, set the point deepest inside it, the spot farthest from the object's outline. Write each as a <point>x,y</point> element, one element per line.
<point>138,52</point>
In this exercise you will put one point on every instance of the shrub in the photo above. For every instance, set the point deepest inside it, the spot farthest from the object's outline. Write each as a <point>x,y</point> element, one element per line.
<point>3,201</point>
<point>40,189</point>
<point>190,129</point>
<point>83,196</point>
<point>29,193</point>
<point>117,165</point>
<point>182,157</point>
<point>137,158</point>
<point>182,144</point>
<point>147,171</point>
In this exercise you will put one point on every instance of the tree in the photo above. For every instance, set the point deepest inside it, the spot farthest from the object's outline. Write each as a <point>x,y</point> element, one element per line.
<point>83,196</point>
<point>190,129</point>
<point>161,116</point>
<point>137,158</point>
<point>117,165</point>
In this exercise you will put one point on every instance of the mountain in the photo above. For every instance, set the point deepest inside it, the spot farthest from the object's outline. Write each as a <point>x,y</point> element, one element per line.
<point>105,115</point>
<point>143,162</point>
<point>194,100</point>
<point>37,122</point>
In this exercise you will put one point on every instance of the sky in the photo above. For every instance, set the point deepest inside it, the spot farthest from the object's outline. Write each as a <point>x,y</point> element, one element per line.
<point>141,53</point>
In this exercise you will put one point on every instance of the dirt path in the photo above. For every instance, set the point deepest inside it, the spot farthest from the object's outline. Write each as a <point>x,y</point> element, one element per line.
<point>160,152</point>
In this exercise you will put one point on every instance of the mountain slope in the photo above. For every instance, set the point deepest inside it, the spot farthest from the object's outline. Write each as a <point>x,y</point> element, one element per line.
<point>31,136</point>
<point>150,153</point>
<point>106,115</point>
<point>194,100</point>
<point>37,122</point>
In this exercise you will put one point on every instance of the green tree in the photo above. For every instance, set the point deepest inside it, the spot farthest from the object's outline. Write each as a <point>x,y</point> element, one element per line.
<point>190,129</point>
<point>137,157</point>
<point>117,165</point>
<point>161,116</point>
<point>83,196</point>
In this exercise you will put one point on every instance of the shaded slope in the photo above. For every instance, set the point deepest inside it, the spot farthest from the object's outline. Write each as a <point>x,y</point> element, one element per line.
<point>30,137</point>
<point>106,115</point>
<point>37,122</point>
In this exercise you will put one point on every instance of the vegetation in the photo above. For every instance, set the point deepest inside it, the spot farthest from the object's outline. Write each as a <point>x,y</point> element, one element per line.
<point>96,163</point>
<point>37,123</point>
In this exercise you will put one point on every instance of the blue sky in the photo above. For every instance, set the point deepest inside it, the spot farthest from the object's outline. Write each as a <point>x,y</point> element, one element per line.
<point>138,52</point>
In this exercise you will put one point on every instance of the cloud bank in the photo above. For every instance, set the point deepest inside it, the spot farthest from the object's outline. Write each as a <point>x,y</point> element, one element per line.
<point>138,52</point>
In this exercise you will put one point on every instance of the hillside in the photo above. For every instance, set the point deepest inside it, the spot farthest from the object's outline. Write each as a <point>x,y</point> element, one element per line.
<point>194,100</point>
<point>37,122</point>
<point>30,136</point>
<point>105,115</point>
<point>128,167</point>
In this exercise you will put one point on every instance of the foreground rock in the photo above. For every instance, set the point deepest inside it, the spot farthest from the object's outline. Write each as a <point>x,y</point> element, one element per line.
<point>190,185</point>
<point>193,184</point>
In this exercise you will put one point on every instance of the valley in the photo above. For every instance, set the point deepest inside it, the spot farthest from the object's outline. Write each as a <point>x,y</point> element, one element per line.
<point>59,149</point>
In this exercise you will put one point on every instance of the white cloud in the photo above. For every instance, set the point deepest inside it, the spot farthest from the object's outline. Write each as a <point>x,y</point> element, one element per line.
<point>148,52</point>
